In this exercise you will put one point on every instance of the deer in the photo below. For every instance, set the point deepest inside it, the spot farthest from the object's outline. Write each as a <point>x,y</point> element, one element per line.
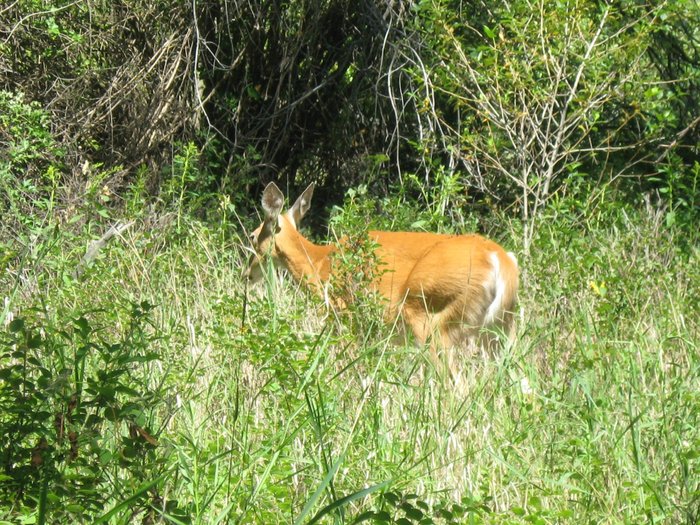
<point>450,290</point>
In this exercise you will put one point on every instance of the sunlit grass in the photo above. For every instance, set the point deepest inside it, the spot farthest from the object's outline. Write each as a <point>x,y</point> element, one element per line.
<point>590,416</point>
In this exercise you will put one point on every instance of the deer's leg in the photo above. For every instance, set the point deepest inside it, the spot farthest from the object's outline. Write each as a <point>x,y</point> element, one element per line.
<point>427,329</point>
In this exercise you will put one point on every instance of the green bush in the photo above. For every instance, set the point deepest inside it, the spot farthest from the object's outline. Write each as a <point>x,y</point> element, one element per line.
<point>78,411</point>
<point>30,164</point>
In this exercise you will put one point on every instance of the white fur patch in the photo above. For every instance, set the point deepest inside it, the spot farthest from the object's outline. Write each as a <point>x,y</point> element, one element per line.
<point>513,258</point>
<point>500,285</point>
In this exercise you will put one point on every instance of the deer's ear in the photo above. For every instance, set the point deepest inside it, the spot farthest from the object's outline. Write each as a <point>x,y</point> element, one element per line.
<point>272,202</point>
<point>302,205</point>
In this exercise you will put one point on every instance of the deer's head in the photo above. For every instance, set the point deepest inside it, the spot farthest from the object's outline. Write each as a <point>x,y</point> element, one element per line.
<point>277,228</point>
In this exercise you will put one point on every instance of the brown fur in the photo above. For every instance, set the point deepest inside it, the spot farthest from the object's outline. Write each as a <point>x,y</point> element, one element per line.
<point>445,286</point>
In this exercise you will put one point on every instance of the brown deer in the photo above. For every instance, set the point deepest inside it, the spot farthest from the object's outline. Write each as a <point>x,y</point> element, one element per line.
<point>445,287</point>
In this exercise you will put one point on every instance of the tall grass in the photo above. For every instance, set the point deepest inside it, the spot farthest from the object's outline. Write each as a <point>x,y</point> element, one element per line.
<point>294,414</point>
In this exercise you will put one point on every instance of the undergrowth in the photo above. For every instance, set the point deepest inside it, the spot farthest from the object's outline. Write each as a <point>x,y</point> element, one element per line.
<point>154,388</point>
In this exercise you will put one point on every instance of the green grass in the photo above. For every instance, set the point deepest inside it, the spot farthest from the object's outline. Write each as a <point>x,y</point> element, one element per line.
<point>592,416</point>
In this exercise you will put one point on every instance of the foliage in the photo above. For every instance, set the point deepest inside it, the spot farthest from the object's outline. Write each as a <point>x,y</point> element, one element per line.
<point>290,84</point>
<point>405,509</point>
<point>114,78</point>
<point>529,104</point>
<point>142,382</point>
<point>77,415</point>
<point>509,99</point>
<point>29,162</point>
<point>355,266</point>
<point>286,418</point>
<point>258,86</point>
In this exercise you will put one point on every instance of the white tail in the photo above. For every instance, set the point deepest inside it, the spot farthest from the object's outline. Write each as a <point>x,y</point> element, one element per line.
<point>445,286</point>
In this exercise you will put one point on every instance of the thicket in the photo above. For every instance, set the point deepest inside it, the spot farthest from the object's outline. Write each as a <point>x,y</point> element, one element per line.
<point>509,97</point>
<point>141,382</point>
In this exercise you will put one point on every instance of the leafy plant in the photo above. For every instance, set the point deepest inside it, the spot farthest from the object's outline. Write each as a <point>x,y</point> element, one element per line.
<point>407,509</point>
<point>29,160</point>
<point>356,266</point>
<point>78,414</point>
<point>542,99</point>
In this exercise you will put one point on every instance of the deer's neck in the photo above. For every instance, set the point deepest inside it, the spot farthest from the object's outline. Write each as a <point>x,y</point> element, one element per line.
<point>306,261</point>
